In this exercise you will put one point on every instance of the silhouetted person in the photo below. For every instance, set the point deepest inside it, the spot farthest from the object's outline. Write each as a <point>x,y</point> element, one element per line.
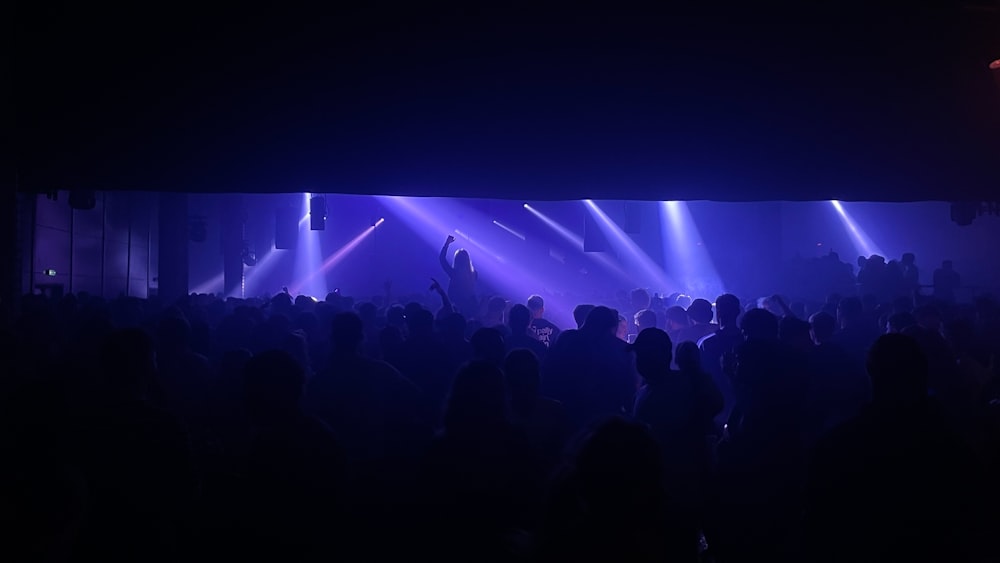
<point>375,412</point>
<point>677,322</point>
<point>295,475</point>
<point>542,420</point>
<point>717,345</point>
<point>520,333</point>
<point>459,349</point>
<point>946,282</point>
<point>590,371</point>
<point>760,461</point>
<point>424,359</point>
<point>700,316</point>
<point>679,408</point>
<point>911,274</point>
<point>488,346</point>
<point>838,386</point>
<point>543,329</point>
<point>183,375</point>
<point>136,462</point>
<point>580,313</point>
<point>611,503</point>
<point>898,322</point>
<point>894,484</point>
<point>645,319</point>
<point>480,481</point>
<point>463,278</point>
<point>857,330</point>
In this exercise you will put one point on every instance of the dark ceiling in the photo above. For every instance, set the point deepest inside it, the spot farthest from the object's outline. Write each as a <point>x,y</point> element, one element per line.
<point>856,101</point>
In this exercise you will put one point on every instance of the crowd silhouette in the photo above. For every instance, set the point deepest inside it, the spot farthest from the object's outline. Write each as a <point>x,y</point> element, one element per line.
<point>863,425</point>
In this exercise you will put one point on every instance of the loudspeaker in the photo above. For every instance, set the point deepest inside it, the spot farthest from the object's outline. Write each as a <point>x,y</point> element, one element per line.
<point>286,228</point>
<point>593,237</point>
<point>317,213</point>
<point>82,199</point>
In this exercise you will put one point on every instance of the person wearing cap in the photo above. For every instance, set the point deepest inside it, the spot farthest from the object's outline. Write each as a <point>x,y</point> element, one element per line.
<point>678,408</point>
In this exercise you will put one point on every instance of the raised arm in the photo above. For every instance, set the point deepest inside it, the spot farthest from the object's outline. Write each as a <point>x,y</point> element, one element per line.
<point>446,306</point>
<point>443,257</point>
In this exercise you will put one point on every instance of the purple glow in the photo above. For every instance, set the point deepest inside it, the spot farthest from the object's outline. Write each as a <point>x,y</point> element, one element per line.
<point>334,259</point>
<point>577,243</point>
<point>684,255</point>
<point>863,244</point>
<point>650,274</point>
<point>433,218</point>
<point>254,277</point>
<point>211,285</point>
<point>308,257</point>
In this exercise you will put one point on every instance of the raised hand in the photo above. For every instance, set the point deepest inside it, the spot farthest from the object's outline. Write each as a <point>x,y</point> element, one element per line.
<point>435,285</point>
<point>449,240</point>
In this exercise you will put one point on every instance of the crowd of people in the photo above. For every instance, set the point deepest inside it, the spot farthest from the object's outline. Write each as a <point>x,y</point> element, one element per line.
<point>860,427</point>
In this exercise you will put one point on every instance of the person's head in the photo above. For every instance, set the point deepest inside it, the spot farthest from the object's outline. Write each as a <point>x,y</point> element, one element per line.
<point>519,318</point>
<point>822,327</point>
<point>850,312</point>
<point>677,318</point>
<point>368,313</point>
<point>273,383</point>
<point>173,333</point>
<point>898,370</point>
<point>537,306</point>
<point>898,322</point>
<point>795,333</point>
<point>495,308</point>
<point>463,262</point>
<point>688,357</point>
<point>396,316</point>
<point>759,324</point>
<point>639,299</point>
<point>580,313</point>
<point>644,319</point>
<point>727,310</point>
<point>700,311</point>
<point>622,331</point>
<point>488,346</point>
<point>478,399</point>
<point>908,258</point>
<point>653,353</point>
<point>453,326</point>
<point>522,371</point>
<point>420,322</point>
<point>928,317</point>
<point>620,468</point>
<point>601,320</point>
<point>346,333</point>
<point>947,265</point>
<point>129,362</point>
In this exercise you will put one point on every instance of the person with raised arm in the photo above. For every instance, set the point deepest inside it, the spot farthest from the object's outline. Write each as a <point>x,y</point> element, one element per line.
<point>463,277</point>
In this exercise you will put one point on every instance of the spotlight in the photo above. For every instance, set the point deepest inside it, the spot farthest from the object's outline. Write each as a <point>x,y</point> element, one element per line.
<point>317,213</point>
